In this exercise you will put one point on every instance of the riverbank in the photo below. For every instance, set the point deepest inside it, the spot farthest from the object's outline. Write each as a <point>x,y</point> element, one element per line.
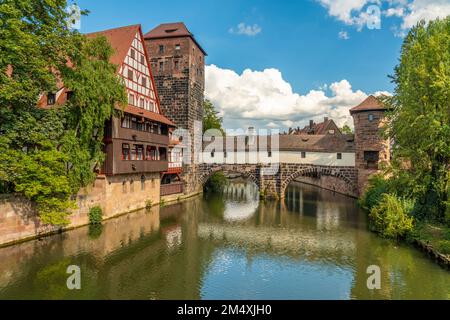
<point>434,240</point>
<point>19,221</point>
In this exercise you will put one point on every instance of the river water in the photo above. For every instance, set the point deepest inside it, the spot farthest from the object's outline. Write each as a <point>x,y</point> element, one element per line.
<point>313,245</point>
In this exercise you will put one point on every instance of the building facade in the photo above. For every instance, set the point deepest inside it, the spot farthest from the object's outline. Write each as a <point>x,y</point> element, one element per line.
<point>372,150</point>
<point>178,65</point>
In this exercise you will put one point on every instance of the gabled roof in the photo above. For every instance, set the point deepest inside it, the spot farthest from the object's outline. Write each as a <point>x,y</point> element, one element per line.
<point>370,104</point>
<point>120,40</point>
<point>172,30</point>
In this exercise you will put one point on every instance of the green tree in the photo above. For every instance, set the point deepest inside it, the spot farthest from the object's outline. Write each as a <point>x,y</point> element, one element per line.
<point>419,123</point>
<point>48,155</point>
<point>211,120</point>
<point>346,130</point>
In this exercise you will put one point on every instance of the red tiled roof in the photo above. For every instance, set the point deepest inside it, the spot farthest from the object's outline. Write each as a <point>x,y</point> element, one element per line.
<point>172,30</point>
<point>120,40</point>
<point>370,104</point>
<point>149,115</point>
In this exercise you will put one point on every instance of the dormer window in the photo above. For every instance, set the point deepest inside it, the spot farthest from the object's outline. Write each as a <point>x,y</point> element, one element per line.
<point>70,95</point>
<point>51,99</point>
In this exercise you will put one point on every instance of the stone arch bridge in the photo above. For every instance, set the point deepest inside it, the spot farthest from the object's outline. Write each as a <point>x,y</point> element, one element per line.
<point>273,181</point>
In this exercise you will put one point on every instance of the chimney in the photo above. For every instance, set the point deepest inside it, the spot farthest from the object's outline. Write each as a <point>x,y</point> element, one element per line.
<point>325,119</point>
<point>311,124</point>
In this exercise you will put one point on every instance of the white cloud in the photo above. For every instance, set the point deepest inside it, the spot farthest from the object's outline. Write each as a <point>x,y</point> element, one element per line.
<point>343,35</point>
<point>264,98</point>
<point>425,10</point>
<point>343,9</point>
<point>394,12</point>
<point>355,12</point>
<point>248,30</point>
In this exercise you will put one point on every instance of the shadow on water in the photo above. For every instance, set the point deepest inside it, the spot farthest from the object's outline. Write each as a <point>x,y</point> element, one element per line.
<point>313,245</point>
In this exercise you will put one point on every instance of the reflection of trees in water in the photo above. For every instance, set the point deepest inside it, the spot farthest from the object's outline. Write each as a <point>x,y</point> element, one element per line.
<point>326,208</point>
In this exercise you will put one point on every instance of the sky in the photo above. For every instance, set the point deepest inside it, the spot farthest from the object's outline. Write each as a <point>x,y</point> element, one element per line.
<point>277,64</point>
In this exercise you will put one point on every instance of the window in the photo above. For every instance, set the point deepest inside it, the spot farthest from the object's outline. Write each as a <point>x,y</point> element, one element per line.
<point>139,152</point>
<point>151,153</point>
<point>70,95</point>
<point>371,158</point>
<point>142,59</point>
<point>161,66</point>
<point>142,103</point>
<point>176,65</point>
<point>144,82</point>
<point>134,123</point>
<point>131,99</point>
<point>51,99</point>
<point>130,74</point>
<point>303,154</point>
<point>142,183</point>
<point>132,53</point>
<point>161,49</point>
<point>125,151</point>
<point>162,154</point>
<point>331,131</point>
<point>339,156</point>
<point>370,117</point>
<point>126,121</point>
<point>269,154</point>
<point>177,47</point>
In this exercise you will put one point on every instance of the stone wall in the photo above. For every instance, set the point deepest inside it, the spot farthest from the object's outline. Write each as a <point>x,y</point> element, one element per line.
<point>115,195</point>
<point>273,181</point>
<point>368,138</point>
<point>180,82</point>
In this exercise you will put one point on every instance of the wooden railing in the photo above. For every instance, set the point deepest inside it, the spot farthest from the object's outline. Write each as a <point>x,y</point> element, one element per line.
<point>172,188</point>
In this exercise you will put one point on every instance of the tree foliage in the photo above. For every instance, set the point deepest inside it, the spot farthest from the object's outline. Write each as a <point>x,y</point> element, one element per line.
<point>419,123</point>
<point>47,155</point>
<point>211,119</point>
<point>346,129</point>
<point>390,217</point>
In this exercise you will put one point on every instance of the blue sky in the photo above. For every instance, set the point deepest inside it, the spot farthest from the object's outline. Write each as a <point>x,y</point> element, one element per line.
<point>299,39</point>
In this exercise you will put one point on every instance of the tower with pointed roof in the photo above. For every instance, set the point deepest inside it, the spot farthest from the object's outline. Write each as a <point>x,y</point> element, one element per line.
<point>371,148</point>
<point>178,65</point>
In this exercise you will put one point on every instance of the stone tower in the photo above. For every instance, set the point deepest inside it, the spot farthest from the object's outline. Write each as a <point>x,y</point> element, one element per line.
<point>178,66</point>
<point>371,148</point>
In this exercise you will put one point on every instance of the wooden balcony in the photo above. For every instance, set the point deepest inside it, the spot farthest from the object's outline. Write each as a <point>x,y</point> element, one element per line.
<point>172,188</point>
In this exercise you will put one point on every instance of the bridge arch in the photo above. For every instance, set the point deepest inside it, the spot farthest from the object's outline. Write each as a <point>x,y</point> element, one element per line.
<point>334,179</point>
<point>247,172</point>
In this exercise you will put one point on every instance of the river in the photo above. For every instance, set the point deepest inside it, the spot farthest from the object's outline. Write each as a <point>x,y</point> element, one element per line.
<point>313,245</point>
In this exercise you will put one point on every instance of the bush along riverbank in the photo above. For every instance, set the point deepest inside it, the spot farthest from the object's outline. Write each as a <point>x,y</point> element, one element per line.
<point>398,217</point>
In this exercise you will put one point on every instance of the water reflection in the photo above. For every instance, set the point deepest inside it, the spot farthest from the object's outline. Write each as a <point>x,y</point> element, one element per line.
<point>314,245</point>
